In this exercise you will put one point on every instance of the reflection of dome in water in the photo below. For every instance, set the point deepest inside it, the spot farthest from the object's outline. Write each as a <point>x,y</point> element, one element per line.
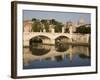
<point>39,49</point>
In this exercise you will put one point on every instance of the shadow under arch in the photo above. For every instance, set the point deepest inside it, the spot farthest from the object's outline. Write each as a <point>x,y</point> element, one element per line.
<point>60,45</point>
<point>38,39</point>
<point>38,46</point>
<point>62,36</point>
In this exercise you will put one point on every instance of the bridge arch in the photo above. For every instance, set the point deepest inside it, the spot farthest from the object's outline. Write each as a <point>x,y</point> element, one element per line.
<point>40,39</point>
<point>62,36</point>
<point>49,35</point>
<point>46,36</point>
<point>41,36</point>
<point>32,35</point>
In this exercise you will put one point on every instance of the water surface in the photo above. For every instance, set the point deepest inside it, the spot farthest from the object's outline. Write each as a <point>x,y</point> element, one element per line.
<point>53,56</point>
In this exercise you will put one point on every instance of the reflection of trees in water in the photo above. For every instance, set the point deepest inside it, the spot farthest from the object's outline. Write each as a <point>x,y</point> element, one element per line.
<point>41,49</point>
<point>40,52</point>
<point>83,51</point>
<point>58,58</point>
<point>83,56</point>
<point>48,58</point>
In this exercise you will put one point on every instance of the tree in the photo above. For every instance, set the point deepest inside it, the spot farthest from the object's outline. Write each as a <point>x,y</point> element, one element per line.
<point>34,19</point>
<point>83,30</point>
<point>36,25</point>
<point>58,27</point>
<point>46,24</point>
<point>53,21</point>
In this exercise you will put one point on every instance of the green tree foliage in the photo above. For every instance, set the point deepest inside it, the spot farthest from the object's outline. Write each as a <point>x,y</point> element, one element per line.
<point>83,29</point>
<point>36,25</point>
<point>34,19</point>
<point>46,24</point>
<point>53,21</point>
<point>58,27</point>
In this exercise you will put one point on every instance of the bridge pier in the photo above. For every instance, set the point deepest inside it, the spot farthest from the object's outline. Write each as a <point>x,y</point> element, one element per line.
<point>52,41</point>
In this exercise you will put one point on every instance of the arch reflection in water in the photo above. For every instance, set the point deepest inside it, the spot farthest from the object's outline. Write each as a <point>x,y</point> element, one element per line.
<point>68,56</point>
<point>39,49</point>
<point>37,46</point>
<point>59,47</point>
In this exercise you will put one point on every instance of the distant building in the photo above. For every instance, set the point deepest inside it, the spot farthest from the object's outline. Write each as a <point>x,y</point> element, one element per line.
<point>81,22</point>
<point>28,26</point>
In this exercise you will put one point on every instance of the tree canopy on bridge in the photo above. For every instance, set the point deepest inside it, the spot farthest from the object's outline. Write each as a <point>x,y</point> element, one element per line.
<point>39,25</point>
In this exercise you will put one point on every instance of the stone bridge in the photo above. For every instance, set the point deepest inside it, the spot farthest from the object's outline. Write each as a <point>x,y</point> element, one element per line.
<point>53,36</point>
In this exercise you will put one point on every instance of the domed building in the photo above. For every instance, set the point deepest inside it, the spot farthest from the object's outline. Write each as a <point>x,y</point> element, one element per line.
<point>81,22</point>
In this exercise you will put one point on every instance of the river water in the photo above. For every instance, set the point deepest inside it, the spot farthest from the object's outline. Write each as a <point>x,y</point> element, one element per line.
<point>53,56</point>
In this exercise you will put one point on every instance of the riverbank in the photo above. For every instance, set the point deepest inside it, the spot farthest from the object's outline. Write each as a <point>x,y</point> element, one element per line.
<point>68,43</point>
<point>77,43</point>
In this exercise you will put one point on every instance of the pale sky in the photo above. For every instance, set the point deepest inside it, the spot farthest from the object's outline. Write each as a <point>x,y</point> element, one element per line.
<point>59,16</point>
